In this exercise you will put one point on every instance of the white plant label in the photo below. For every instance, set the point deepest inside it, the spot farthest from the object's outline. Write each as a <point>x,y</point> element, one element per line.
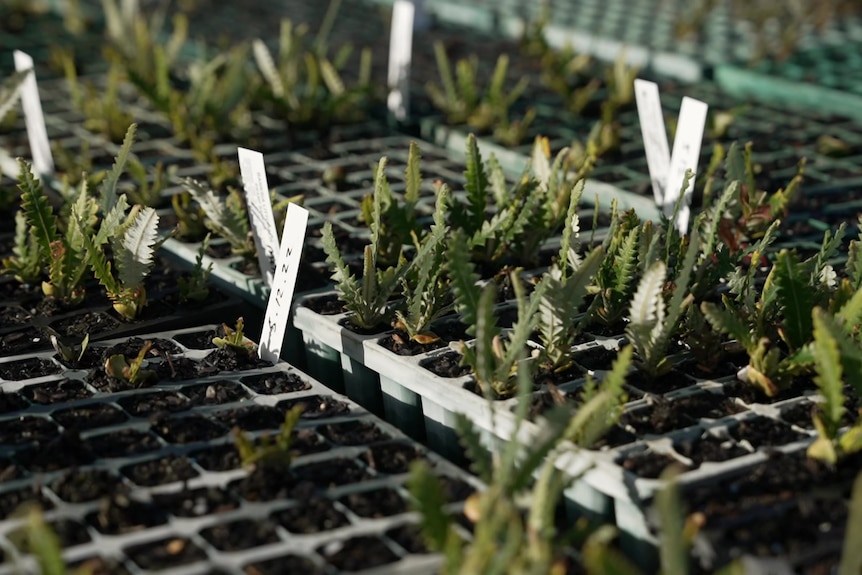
<point>400,55</point>
<point>281,295</point>
<point>685,156</point>
<point>253,172</point>
<point>654,135</point>
<point>667,170</point>
<point>40,148</point>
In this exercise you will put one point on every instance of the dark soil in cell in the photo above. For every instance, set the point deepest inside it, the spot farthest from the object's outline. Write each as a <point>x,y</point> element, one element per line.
<point>119,514</point>
<point>11,401</point>
<point>410,538</point>
<point>675,379</point>
<point>358,553</point>
<point>91,322</point>
<point>195,502</point>
<point>325,305</point>
<point>305,441</point>
<point>242,534</point>
<point>218,458</point>
<point>283,565</point>
<point>707,448</point>
<point>597,358</point>
<point>332,472</point>
<point>122,443</point>
<point>197,339</point>
<point>353,433</point>
<point>89,416</point>
<point>147,404</point>
<point>252,418</point>
<point>275,383</point>
<point>799,414</point>
<point>400,343</point>
<point>159,471</point>
<point>27,429</point>
<point>765,432</point>
<point>751,394</point>
<point>648,464</point>
<point>667,415</point>
<point>10,501</point>
<point>64,450</point>
<point>69,534</point>
<point>132,346</point>
<point>230,359</point>
<point>790,530</point>
<point>57,391</point>
<point>312,516</point>
<point>375,503</point>
<point>316,406</point>
<point>164,553</point>
<point>188,429</point>
<point>82,485</point>
<point>391,458</point>
<point>347,324</point>
<point>175,368</point>
<point>265,484</point>
<point>216,392</point>
<point>12,315</point>
<point>446,365</point>
<point>23,341</point>
<point>779,479</point>
<point>28,369</point>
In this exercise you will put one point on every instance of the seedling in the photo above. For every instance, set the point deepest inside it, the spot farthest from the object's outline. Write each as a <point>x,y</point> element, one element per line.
<point>190,217</point>
<point>426,288</point>
<point>513,516</point>
<point>462,101</point>
<point>132,372</point>
<point>568,281</point>
<point>493,358</point>
<point>235,340</point>
<point>268,453</point>
<point>652,321</point>
<point>193,287</point>
<point>73,353</point>
<point>227,217</point>
<point>305,85</point>
<point>368,299</point>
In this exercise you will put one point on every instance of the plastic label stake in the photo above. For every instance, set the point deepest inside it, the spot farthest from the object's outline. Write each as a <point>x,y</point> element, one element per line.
<point>400,55</point>
<point>667,170</point>
<point>260,214</point>
<point>685,156</point>
<point>283,284</point>
<point>43,161</point>
<point>654,135</point>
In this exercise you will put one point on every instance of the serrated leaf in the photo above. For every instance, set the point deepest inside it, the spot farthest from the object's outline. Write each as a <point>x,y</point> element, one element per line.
<point>34,203</point>
<point>476,183</point>
<point>266,65</point>
<point>794,298</point>
<point>464,281</point>
<point>728,322</point>
<point>413,175</point>
<point>136,257</point>
<point>828,366</point>
<point>851,556</point>
<point>108,190</point>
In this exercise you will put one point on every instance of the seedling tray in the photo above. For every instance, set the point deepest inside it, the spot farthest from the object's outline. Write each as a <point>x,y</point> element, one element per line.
<point>149,478</point>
